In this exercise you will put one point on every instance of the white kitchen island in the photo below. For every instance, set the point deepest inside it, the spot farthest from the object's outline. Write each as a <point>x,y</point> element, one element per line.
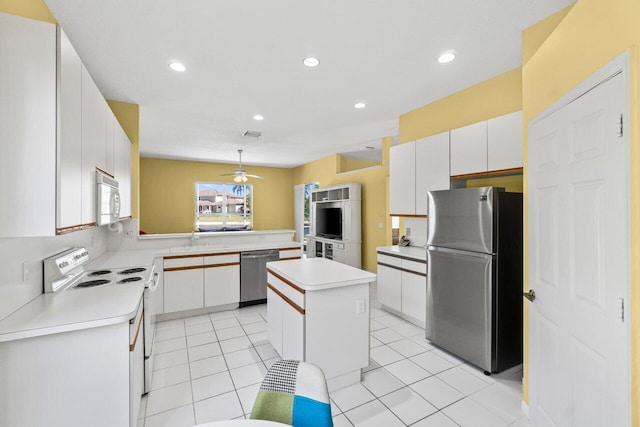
<point>318,312</point>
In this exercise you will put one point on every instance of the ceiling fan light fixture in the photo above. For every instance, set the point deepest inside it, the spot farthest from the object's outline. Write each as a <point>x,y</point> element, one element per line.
<point>240,175</point>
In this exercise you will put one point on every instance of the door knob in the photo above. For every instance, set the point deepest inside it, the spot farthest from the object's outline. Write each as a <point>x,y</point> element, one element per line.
<point>531,295</point>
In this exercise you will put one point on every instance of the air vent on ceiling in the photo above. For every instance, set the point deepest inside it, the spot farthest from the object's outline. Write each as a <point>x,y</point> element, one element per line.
<point>252,133</point>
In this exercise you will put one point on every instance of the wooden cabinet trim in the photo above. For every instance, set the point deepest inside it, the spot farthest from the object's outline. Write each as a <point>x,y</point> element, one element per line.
<point>402,269</point>
<point>187,267</point>
<point>424,261</point>
<point>512,171</point>
<point>72,228</point>
<point>289,259</point>
<point>291,249</point>
<point>287,300</point>
<point>135,340</point>
<point>200,255</point>
<point>408,215</point>
<point>105,172</point>
<point>225,264</point>
<point>297,288</point>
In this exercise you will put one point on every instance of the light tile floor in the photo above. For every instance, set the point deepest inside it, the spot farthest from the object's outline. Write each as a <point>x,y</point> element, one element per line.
<point>210,368</point>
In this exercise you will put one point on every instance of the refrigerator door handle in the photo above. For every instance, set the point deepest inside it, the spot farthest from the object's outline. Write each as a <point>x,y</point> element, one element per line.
<point>460,252</point>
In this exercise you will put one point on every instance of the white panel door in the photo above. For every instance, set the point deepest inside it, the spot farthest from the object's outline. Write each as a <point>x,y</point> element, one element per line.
<point>432,168</point>
<point>93,144</point>
<point>122,170</point>
<point>402,179</point>
<point>469,149</point>
<point>579,259</point>
<point>504,142</point>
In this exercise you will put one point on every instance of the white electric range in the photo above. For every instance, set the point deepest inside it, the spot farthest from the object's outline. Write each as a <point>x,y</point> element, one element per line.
<point>65,272</point>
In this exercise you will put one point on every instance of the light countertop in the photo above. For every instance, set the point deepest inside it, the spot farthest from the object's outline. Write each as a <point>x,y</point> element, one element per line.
<point>405,251</point>
<point>313,274</point>
<point>71,310</point>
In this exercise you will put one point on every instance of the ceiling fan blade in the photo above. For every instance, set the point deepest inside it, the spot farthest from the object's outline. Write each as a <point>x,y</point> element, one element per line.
<point>229,174</point>
<point>254,176</point>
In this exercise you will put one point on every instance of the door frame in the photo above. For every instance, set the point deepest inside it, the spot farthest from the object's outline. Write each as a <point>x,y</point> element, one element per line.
<point>618,65</point>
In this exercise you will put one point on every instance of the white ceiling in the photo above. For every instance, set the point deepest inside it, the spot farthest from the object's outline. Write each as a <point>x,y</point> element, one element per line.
<point>245,57</point>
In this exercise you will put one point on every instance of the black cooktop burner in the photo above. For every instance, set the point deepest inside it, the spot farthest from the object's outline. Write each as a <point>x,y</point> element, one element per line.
<point>100,273</point>
<point>131,279</point>
<point>92,283</point>
<point>132,270</point>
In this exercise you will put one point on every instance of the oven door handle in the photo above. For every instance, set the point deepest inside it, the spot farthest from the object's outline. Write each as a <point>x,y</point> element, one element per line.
<point>156,282</point>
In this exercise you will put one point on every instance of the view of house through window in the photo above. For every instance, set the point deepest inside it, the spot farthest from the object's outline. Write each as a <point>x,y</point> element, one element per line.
<point>223,206</point>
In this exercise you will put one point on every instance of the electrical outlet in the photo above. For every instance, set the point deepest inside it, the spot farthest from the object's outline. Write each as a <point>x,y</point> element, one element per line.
<point>380,225</point>
<point>360,306</point>
<point>130,234</point>
<point>407,231</point>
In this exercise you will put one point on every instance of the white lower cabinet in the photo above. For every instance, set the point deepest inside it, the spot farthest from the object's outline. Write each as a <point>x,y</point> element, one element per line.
<point>389,286</point>
<point>183,290</point>
<point>285,314</point>
<point>221,279</point>
<point>402,286</point>
<point>199,281</point>
<point>414,295</point>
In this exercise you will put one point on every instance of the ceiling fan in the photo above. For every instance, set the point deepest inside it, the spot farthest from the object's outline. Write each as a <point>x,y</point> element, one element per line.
<point>240,174</point>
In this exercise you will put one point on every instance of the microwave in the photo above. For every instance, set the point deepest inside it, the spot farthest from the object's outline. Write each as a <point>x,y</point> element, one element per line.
<point>107,199</point>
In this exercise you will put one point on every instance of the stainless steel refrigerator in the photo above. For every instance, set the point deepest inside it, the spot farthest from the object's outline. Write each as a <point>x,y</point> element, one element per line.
<point>474,279</point>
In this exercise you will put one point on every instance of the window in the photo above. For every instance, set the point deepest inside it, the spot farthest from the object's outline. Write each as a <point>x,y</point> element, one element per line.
<point>307,206</point>
<point>223,206</point>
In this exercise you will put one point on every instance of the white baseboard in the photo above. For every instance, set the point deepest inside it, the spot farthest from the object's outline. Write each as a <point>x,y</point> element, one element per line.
<point>525,408</point>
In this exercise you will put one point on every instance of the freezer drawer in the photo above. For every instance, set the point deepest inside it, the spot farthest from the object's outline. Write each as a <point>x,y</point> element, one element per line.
<point>459,304</point>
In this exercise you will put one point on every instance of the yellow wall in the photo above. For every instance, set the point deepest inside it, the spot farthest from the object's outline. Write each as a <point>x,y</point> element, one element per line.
<point>346,164</point>
<point>491,98</point>
<point>34,9</point>
<point>374,199</point>
<point>129,117</point>
<point>167,194</point>
<point>591,34</point>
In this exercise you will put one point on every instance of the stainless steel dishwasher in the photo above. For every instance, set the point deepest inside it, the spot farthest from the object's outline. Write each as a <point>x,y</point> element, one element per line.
<point>253,275</point>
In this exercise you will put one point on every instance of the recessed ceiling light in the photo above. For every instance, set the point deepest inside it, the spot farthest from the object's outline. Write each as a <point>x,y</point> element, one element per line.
<point>360,105</point>
<point>311,62</point>
<point>258,117</point>
<point>446,57</point>
<point>177,66</point>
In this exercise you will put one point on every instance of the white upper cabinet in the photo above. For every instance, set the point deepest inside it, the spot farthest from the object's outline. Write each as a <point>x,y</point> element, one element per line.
<point>505,141</point>
<point>491,145</point>
<point>415,168</point>
<point>432,168</point>
<point>122,168</point>
<point>27,127</point>
<point>402,179</point>
<point>69,147</point>
<point>469,149</point>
